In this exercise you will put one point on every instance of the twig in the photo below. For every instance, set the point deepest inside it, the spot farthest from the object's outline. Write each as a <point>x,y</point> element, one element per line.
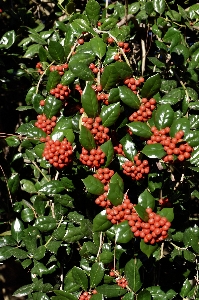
<point>40,170</point>
<point>71,51</point>
<point>41,77</point>
<point>126,11</point>
<point>143,56</point>
<point>100,246</point>
<point>6,184</point>
<point>106,5</point>
<point>125,19</point>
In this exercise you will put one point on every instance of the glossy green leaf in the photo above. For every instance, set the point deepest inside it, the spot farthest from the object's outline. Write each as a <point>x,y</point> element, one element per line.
<point>140,129</point>
<point>93,11</point>
<point>106,257</point>
<point>29,95</point>
<point>109,77</point>
<point>114,95</point>
<point>129,149</point>
<point>151,86</point>
<point>186,287</point>
<point>100,222</point>
<point>27,215</point>
<point>17,228</point>
<point>180,124</point>
<point>117,179</point>
<point>68,78</point>
<point>53,79</point>
<point>133,8</point>
<point>5,252</point>
<point>90,102</point>
<point>190,238</point>
<point>147,248</point>
<point>194,160</point>
<point>141,211</point>
<point>80,277</point>
<point>52,187</point>
<point>128,97</point>
<point>13,183</point>
<point>28,186</point>
<point>86,138</point>
<point>98,46</point>
<point>73,234</point>
<point>123,233</point>
<point>189,256</point>
<point>63,295</point>
<point>45,224</point>
<point>12,141</point>
<point>159,6</point>
<point>123,70</point>
<point>93,185</point>
<point>83,26</point>
<point>109,114</point>
<point>81,70</point>
<point>110,53</point>
<point>82,57</point>
<point>111,291</point>
<point>32,50</point>
<point>8,39</point>
<point>132,274</point>
<point>109,23</point>
<point>19,253</point>
<point>36,98</point>
<point>97,297</point>
<point>145,199</point>
<point>192,138</point>
<point>39,149</point>
<point>52,106</point>
<point>156,292</point>
<point>61,128</point>
<point>115,193</point>
<point>56,51</point>
<point>31,131</point>
<point>24,290</point>
<point>172,97</point>
<point>154,151</point>
<point>108,149</point>
<point>168,213</point>
<point>96,274</point>
<point>164,116</point>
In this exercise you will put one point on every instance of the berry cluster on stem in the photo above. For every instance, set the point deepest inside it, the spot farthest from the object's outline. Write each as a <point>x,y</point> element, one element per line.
<point>99,131</point>
<point>133,83</point>
<point>104,175</point>
<point>145,110</point>
<point>46,124</point>
<point>93,158</point>
<point>59,68</point>
<point>137,169</point>
<point>61,92</point>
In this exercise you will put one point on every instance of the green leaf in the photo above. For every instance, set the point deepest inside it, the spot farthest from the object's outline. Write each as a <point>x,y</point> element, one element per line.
<point>132,274</point>
<point>106,257</point>
<point>19,253</point>
<point>151,86</point>
<point>5,252</point>
<point>12,141</point>
<point>27,215</point>
<point>109,114</point>
<point>32,50</point>
<point>100,222</point>
<point>190,238</point>
<point>24,290</point>
<point>140,129</point>
<point>29,95</point>
<point>93,11</point>
<point>52,187</point>
<point>185,288</point>
<point>144,295</point>
<point>109,23</point>
<point>86,138</point>
<point>45,224</point>
<point>145,199</point>
<point>123,233</point>
<point>17,228</point>
<point>98,46</point>
<point>96,274</point>
<point>7,39</point>
<point>194,160</point>
<point>60,128</point>
<point>80,277</point>
<point>192,138</point>
<point>39,149</point>
<point>141,211</point>
<point>180,53</point>
<point>97,297</point>
<point>168,213</point>
<point>13,183</point>
<point>123,69</point>
<point>53,79</point>
<point>164,116</point>
<point>82,26</point>
<point>159,6</point>
<point>147,249</point>
<point>83,57</point>
<point>81,70</point>
<point>117,179</point>
<point>180,124</point>
<point>90,102</point>
<point>111,291</point>
<point>154,151</point>
<point>114,95</point>
<point>93,185</point>
<point>110,53</point>
<point>115,193</point>
<point>52,106</point>
<point>108,149</point>
<point>189,256</point>
<point>156,292</point>
<point>172,97</point>
<point>56,51</point>
<point>128,97</point>
<point>31,131</point>
<point>28,186</point>
<point>36,98</point>
<point>68,78</point>
<point>133,8</point>
<point>129,149</point>
<point>63,295</point>
<point>109,77</point>
<point>73,234</point>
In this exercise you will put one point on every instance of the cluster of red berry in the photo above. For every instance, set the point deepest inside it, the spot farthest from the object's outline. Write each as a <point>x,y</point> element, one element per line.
<point>119,149</point>
<point>153,231</point>
<point>104,97</point>
<point>104,175</point>
<point>39,68</point>
<point>61,92</point>
<point>145,110</point>
<point>95,69</point>
<point>137,169</point>
<point>122,282</point>
<point>133,83</point>
<point>94,158</point>
<point>164,202</point>
<point>78,88</point>
<point>99,131</point>
<point>59,68</point>
<point>121,212</point>
<point>125,47</point>
<point>59,154</point>
<point>45,124</point>
<point>87,295</point>
<point>170,144</point>
<point>103,201</point>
